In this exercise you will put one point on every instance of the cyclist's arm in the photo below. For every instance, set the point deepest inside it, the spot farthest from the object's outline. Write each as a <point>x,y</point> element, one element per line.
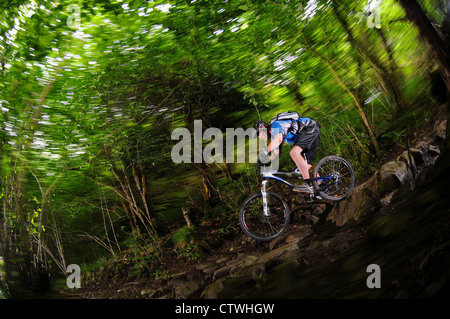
<point>275,143</point>
<point>275,154</point>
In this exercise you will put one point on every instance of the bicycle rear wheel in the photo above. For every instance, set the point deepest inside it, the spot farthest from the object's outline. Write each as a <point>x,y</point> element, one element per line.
<point>256,224</point>
<point>335,178</point>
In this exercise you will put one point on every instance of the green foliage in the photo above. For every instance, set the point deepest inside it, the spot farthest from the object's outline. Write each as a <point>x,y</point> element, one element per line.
<point>184,244</point>
<point>182,237</point>
<point>188,252</point>
<point>86,114</point>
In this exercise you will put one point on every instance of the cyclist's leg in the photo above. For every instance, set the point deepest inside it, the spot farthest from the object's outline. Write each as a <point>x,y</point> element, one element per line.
<point>306,160</point>
<point>299,160</point>
<point>306,143</point>
<point>303,166</point>
<point>311,150</point>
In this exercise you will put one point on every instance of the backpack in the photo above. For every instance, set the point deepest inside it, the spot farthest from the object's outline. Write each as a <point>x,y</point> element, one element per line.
<point>284,116</point>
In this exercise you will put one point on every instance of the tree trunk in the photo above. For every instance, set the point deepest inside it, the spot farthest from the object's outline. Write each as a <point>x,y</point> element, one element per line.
<point>436,40</point>
<point>433,37</point>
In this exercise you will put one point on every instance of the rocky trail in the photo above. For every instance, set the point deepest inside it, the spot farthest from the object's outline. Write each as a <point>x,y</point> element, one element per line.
<point>394,220</point>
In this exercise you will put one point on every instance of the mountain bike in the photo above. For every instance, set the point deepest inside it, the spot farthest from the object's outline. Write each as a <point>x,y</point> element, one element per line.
<point>265,215</point>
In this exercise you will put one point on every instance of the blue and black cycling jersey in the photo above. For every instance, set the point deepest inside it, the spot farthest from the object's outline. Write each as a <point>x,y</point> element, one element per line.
<point>289,128</point>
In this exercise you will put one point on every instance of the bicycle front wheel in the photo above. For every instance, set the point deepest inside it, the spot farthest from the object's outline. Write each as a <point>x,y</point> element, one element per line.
<point>334,178</point>
<point>264,226</point>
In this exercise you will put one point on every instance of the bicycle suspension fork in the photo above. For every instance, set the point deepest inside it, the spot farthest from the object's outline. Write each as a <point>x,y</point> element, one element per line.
<point>266,211</point>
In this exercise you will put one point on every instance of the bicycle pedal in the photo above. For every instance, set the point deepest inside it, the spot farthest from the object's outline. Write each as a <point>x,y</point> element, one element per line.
<point>313,198</point>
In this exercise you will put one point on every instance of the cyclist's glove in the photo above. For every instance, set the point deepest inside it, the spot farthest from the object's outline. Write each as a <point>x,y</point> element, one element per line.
<point>263,164</point>
<point>263,158</point>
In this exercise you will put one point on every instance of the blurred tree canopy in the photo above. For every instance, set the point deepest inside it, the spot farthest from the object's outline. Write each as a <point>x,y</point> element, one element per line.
<point>90,92</point>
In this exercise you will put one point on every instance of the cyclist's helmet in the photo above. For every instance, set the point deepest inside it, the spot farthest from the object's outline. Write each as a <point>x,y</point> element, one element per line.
<point>257,126</point>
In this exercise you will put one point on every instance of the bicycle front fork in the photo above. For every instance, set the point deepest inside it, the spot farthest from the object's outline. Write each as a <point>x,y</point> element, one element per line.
<point>266,211</point>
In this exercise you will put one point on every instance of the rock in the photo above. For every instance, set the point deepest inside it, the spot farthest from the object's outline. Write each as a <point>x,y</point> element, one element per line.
<point>243,267</point>
<point>246,261</point>
<point>417,156</point>
<point>293,239</point>
<point>276,242</point>
<point>319,209</point>
<point>364,197</point>
<point>295,235</point>
<point>440,130</point>
<point>393,175</point>
<point>408,159</point>
<point>402,191</point>
<point>299,233</point>
<point>258,271</point>
<point>223,260</point>
<point>282,252</point>
<point>361,199</point>
<point>186,290</point>
<point>180,275</point>
<point>210,270</point>
<point>314,218</point>
<point>385,201</point>
<point>423,145</point>
<point>204,266</point>
<point>222,272</point>
<point>213,290</point>
<point>433,150</point>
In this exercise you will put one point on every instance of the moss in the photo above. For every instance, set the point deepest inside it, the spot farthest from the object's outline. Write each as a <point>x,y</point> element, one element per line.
<point>182,237</point>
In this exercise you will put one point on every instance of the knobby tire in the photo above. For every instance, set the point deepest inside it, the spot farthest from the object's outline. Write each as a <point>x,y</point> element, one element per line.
<point>256,225</point>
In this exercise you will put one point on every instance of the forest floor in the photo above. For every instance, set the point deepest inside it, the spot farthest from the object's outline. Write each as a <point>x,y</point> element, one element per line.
<point>218,250</point>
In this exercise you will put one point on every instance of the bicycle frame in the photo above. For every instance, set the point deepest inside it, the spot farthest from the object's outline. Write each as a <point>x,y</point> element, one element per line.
<point>270,174</point>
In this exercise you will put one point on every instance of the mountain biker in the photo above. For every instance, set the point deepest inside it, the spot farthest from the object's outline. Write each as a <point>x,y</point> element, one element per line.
<point>303,137</point>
